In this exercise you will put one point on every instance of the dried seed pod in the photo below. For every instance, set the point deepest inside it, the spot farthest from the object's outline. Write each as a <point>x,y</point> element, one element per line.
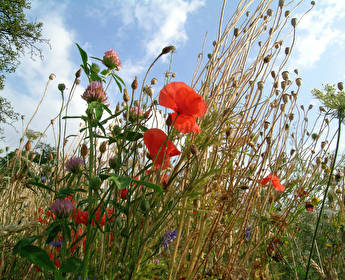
<point>149,91</point>
<point>78,73</point>
<point>117,108</point>
<point>247,13</point>
<point>136,103</point>
<point>285,75</point>
<point>281,3</point>
<point>296,71</point>
<point>340,86</point>
<point>310,106</point>
<point>322,109</point>
<point>194,150</point>
<point>318,160</point>
<point>287,50</point>
<point>323,144</point>
<point>287,13</point>
<point>283,85</point>
<point>277,92</point>
<point>215,43</point>
<point>269,12</point>
<point>299,82</point>
<point>236,32</point>
<point>267,59</point>
<point>275,84</point>
<point>294,22</point>
<point>154,81</point>
<point>292,151</point>
<point>282,107</point>
<point>312,2</point>
<point>273,74</point>
<point>286,98</point>
<point>28,145</point>
<point>173,75</point>
<point>260,85</point>
<point>52,76</point>
<point>197,203</point>
<point>327,121</point>
<point>266,124</point>
<point>291,116</point>
<point>52,122</point>
<point>84,150</point>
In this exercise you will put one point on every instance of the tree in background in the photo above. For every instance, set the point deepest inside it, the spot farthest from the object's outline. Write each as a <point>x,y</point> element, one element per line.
<point>17,37</point>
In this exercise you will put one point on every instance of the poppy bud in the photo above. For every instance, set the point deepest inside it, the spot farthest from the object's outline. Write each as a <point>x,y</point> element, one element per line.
<point>28,145</point>
<point>287,13</point>
<point>340,86</point>
<point>135,83</point>
<point>118,108</point>
<point>103,147</point>
<point>194,150</point>
<point>61,87</point>
<point>52,76</point>
<point>154,81</point>
<point>145,206</point>
<point>168,49</point>
<point>50,156</point>
<point>299,82</point>
<point>126,97</point>
<point>312,2</point>
<point>169,121</point>
<point>78,73</point>
<point>84,150</point>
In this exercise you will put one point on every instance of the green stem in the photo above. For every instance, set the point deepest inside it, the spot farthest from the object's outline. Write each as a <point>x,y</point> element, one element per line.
<point>89,235</point>
<point>324,198</point>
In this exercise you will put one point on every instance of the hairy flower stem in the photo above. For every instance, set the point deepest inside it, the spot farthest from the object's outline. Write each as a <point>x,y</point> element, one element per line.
<point>89,235</point>
<point>325,196</point>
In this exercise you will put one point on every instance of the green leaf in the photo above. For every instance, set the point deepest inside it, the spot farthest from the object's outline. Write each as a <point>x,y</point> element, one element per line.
<point>67,192</point>
<point>58,276</point>
<point>53,233</point>
<point>95,77</point>
<point>37,256</point>
<point>130,136</point>
<point>23,242</point>
<point>72,117</point>
<point>121,182</point>
<point>148,184</point>
<point>41,186</point>
<point>83,56</point>
<point>71,265</point>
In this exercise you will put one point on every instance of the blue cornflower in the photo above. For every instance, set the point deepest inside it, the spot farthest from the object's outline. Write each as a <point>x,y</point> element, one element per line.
<point>247,233</point>
<point>168,238</point>
<point>56,244</point>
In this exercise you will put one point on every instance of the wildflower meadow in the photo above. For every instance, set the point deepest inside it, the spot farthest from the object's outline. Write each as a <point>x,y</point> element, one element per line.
<point>220,177</point>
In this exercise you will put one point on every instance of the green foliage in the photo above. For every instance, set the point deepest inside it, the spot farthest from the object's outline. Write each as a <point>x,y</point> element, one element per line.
<point>7,114</point>
<point>18,36</point>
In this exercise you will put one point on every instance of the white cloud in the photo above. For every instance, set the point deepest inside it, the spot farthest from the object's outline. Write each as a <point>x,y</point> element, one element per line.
<point>319,30</point>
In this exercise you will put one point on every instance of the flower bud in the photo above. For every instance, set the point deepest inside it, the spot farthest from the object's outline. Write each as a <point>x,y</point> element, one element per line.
<point>125,95</point>
<point>318,160</point>
<point>236,32</point>
<point>61,87</point>
<point>23,117</point>
<point>273,74</point>
<point>197,203</point>
<point>103,147</point>
<point>269,12</point>
<point>286,98</point>
<point>84,151</point>
<point>287,50</point>
<point>260,85</point>
<point>28,145</point>
<point>283,84</point>
<point>118,108</point>
<point>267,59</point>
<point>169,121</point>
<point>294,22</point>
<point>281,3</point>
<point>77,81</point>
<point>266,124</point>
<point>135,83</point>
<point>287,13</point>
<point>168,49</point>
<point>78,73</point>
<point>291,116</point>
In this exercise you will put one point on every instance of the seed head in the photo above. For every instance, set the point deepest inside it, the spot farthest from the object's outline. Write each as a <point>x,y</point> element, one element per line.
<point>61,87</point>
<point>84,150</point>
<point>52,76</point>
<point>154,81</point>
<point>149,91</point>
<point>103,147</point>
<point>340,86</point>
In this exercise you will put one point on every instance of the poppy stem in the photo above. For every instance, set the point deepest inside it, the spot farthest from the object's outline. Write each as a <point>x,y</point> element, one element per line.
<point>324,198</point>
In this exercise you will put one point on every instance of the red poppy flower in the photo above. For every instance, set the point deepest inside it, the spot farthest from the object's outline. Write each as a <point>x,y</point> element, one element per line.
<point>275,182</point>
<point>309,207</point>
<point>57,262</point>
<point>186,103</point>
<point>123,193</point>
<point>159,147</point>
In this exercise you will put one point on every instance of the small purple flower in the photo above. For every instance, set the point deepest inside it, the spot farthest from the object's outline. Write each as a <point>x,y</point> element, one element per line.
<point>43,178</point>
<point>56,244</point>
<point>168,238</point>
<point>111,60</point>
<point>95,92</point>
<point>62,208</point>
<point>74,164</point>
<point>247,233</point>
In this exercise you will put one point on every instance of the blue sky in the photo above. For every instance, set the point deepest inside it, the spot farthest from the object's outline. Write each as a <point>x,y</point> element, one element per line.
<point>138,30</point>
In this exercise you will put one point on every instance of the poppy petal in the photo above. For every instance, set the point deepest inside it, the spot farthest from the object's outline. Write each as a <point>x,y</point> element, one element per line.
<point>265,180</point>
<point>182,99</point>
<point>185,123</point>
<point>278,186</point>
<point>160,150</point>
